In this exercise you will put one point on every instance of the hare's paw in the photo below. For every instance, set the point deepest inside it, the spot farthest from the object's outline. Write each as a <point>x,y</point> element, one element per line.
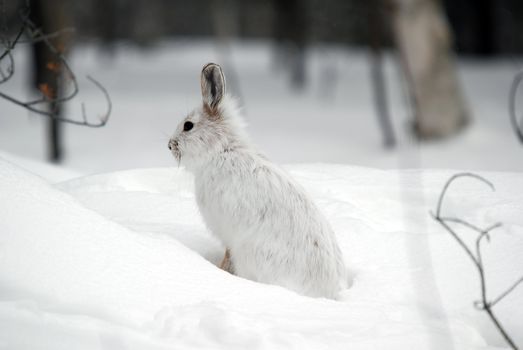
<point>226,263</point>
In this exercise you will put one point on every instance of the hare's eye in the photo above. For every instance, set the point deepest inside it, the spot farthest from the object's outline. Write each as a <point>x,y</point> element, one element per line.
<point>187,126</point>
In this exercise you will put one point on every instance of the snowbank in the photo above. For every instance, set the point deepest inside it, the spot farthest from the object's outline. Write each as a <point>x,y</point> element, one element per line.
<point>123,261</point>
<point>50,172</point>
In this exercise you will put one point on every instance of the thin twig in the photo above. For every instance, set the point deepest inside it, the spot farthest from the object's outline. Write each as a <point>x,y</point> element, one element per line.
<point>8,52</point>
<point>40,105</point>
<point>10,45</point>
<point>476,257</point>
<point>505,293</point>
<point>104,117</point>
<point>473,227</point>
<point>516,125</point>
<point>454,177</point>
<point>41,37</point>
<point>10,68</point>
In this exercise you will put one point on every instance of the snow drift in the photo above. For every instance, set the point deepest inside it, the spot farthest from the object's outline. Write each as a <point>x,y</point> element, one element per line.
<point>123,261</point>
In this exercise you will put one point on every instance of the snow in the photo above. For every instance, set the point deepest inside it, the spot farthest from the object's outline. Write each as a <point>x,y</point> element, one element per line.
<point>123,260</point>
<point>331,120</point>
<point>49,172</point>
<point>108,251</point>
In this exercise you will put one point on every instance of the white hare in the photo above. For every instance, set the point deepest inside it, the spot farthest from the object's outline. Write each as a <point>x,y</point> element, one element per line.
<point>272,230</point>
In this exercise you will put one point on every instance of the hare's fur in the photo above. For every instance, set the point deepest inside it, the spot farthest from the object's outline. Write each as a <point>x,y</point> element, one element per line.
<point>273,231</point>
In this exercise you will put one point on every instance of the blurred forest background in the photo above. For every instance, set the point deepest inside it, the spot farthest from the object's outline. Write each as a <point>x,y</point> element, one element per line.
<point>426,34</point>
<point>482,27</point>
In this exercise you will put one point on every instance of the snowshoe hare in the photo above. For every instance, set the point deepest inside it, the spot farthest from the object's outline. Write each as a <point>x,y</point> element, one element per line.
<point>272,230</point>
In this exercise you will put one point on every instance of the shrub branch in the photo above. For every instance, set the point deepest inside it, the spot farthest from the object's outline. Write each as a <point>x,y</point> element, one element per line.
<point>517,125</point>
<point>40,105</point>
<point>475,253</point>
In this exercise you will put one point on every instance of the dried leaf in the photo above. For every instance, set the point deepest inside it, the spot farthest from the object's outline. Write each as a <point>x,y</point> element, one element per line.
<point>46,90</point>
<point>53,66</point>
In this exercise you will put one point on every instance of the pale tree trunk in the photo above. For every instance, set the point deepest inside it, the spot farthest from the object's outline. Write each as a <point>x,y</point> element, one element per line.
<point>423,39</point>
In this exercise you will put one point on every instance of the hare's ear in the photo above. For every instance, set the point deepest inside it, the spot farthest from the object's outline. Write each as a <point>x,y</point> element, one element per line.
<point>213,85</point>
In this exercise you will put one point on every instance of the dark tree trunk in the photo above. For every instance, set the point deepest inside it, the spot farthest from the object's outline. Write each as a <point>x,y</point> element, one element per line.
<point>50,16</point>
<point>291,37</point>
<point>376,29</point>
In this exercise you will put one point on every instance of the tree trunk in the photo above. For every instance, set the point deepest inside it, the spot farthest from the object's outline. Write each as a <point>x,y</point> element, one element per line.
<point>376,29</point>
<point>423,39</point>
<point>290,33</point>
<point>51,16</point>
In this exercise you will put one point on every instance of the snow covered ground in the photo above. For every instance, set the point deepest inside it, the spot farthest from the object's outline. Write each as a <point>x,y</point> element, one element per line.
<point>122,260</point>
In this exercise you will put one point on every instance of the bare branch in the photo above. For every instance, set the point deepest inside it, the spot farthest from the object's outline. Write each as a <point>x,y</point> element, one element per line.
<point>476,256</point>
<point>10,45</point>
<point>506,292</point>
<point>40,105</point>
<point>454,177</point>
<point>38,37</point>
<point>104,117</point>
<point>460,242</point>
<point>10,67</point>
<point>8,52</point>
<point>473,227</point>
<point>516,125</point>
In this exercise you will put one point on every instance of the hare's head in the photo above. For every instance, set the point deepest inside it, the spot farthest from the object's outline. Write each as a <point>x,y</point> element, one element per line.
<point>211,128</point>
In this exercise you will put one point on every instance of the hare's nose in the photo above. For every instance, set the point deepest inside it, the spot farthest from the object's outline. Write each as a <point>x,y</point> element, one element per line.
<point>172,143</point>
